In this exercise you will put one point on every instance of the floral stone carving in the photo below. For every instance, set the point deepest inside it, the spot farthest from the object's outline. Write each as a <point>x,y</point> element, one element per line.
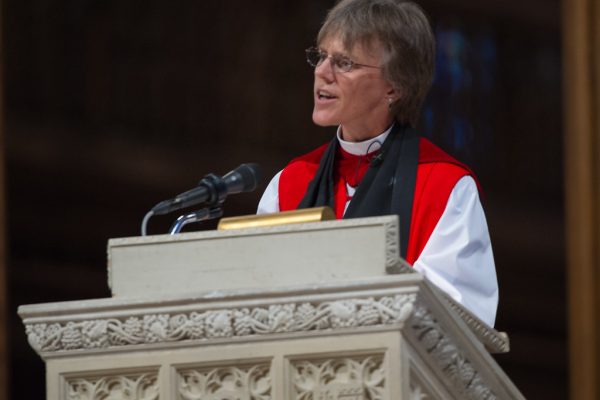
<point>141,387</point>
<point>240,383</point>
<point>164,328</point>
<point>336,379</point>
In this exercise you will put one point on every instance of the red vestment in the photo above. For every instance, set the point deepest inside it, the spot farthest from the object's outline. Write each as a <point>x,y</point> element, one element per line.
<point>437,174</point>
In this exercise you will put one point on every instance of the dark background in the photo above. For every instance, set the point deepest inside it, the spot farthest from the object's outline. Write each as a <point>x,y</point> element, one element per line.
<point>112,106</point>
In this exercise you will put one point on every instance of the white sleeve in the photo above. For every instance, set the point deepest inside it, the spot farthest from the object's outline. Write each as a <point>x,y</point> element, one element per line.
<point>269,202</point>
<point>458,257</point>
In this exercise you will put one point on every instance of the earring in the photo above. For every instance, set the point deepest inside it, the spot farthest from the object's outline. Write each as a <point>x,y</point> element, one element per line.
<point>390,102</point>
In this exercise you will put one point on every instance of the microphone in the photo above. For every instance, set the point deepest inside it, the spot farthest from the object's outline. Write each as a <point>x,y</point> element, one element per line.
<point>378,159</point>
<point>212,189</point>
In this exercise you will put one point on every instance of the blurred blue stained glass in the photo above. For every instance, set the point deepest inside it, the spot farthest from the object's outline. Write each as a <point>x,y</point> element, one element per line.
<point>458,111</point>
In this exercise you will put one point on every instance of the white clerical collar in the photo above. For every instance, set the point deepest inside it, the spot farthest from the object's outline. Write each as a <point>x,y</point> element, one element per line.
<point>364,147</point>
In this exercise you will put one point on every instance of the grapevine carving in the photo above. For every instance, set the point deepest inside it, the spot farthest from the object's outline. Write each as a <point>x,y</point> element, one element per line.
<point>449,357</point>
<point>164,328</point>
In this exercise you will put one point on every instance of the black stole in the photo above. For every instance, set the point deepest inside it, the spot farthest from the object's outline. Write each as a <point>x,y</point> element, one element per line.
<point>388,186</point>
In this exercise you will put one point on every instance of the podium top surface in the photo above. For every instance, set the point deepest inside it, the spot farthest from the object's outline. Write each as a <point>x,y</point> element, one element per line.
<point>195,262</point>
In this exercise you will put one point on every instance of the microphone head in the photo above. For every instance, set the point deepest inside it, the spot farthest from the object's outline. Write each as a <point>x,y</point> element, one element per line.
<point>244,178</point>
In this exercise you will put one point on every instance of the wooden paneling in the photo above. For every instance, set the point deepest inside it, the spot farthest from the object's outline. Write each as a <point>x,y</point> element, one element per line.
<point>582,173</point>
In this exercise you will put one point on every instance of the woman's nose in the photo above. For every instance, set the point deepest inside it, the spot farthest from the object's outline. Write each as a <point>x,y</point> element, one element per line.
<point>325,70</point>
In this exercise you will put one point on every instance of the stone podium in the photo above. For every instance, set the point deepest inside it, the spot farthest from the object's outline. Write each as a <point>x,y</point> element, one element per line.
<point>311,311</point>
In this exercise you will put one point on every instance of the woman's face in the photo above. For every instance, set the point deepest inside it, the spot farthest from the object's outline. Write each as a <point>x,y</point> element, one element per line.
<point>357,100</point>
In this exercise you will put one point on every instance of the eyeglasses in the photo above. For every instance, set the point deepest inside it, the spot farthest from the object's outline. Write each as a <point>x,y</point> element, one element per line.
<point>340,63</point>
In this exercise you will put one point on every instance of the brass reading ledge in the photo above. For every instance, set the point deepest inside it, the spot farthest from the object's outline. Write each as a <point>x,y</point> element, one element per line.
<point>282,218</point>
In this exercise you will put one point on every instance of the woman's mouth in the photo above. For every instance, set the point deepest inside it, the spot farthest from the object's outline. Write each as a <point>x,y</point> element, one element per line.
<point>325,95</point>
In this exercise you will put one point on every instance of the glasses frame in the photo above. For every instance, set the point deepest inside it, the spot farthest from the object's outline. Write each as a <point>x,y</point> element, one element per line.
<point>335,60</point>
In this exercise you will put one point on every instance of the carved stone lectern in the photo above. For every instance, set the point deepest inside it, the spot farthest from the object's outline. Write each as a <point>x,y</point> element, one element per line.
<point>311,311</point>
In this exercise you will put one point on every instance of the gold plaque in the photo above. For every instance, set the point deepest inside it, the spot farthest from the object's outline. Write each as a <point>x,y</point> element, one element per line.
<point>282,218</point>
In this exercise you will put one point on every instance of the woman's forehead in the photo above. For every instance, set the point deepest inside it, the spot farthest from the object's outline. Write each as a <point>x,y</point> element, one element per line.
<point>338,43</point>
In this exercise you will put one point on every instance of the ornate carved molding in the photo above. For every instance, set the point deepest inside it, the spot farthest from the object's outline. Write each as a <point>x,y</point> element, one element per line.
<point>451,360</point>
<point>392,247</point>
<point>354,378</point>
<point>220,323</point>
<point>494,341</point>
<point>137,387</point>
<point>240,382</point>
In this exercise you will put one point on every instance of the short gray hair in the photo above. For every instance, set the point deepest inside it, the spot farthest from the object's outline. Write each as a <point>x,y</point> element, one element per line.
<point>404,33</point>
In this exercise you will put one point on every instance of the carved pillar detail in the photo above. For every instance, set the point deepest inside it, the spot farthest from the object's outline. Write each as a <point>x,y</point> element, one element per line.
<point>251,382</point>
<point>129,387</point>
<point>419,389</point>
<point>416,393</point>
<point>354,378</point>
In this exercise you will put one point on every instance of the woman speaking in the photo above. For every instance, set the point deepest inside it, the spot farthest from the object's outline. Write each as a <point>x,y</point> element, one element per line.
<point>373,66</point>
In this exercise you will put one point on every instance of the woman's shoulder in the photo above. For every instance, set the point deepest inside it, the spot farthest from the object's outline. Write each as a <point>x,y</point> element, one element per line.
<point>436,166</point>
<point>312,157</point>
<point>304,166</point>
<point>430,153</point>
<point>296,176</point>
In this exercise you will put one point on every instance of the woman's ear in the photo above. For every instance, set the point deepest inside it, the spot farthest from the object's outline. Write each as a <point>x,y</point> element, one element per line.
<point>392,94</point>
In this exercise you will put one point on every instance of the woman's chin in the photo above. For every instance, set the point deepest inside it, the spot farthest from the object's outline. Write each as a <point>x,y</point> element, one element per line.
<point>324,120</point>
